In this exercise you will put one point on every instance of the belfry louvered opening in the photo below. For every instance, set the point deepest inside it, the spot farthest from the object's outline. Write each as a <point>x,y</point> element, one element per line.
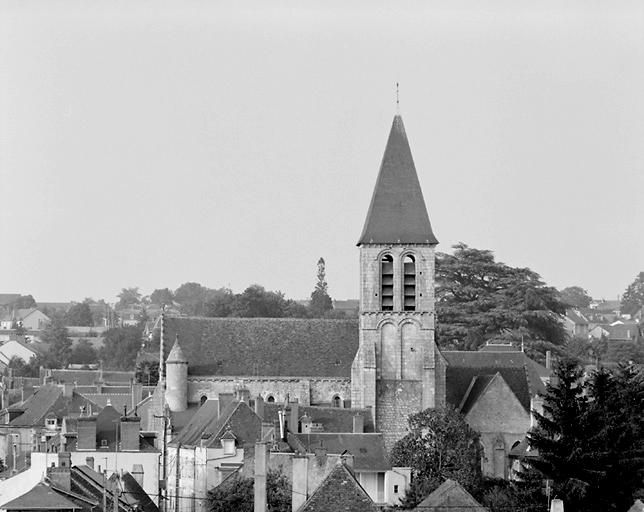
<point>387,283</point>
<point>409,283</point>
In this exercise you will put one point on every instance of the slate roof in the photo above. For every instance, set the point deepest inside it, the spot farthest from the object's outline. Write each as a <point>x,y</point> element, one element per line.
<point>576,317</point>
<point>339,491</point>
<point>135,496</point>
<point>478,385</point>
<point>517,369</point>
<point>265,346</point>
<point>450,496</point>
<point>625,331</point>
<point>368,450</point>
<point>41,497</point>
<point>209,426</point>
<point>333,419</point>
<point>89,377</point>
<point>48,399</point>
<point>397,213</point>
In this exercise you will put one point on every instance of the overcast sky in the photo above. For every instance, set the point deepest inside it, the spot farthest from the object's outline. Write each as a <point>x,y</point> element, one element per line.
<point>150,143</point>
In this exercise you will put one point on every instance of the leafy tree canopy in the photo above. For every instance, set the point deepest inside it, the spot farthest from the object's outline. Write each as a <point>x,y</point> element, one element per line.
<point>162,296</point>
<point>147,372</point>
<point>633,298</point>
<point>60,346</point>
<point>120,347</point>
<point>79,314</point>
<point>439,445</point>
<point>590,437</point>
<point>128,297</point>
<point>22,302</point>
<point>321,303</point>
<point>84,353</point>
<point>478,298</point>
<point>235,494</point>
<point>575,296</point>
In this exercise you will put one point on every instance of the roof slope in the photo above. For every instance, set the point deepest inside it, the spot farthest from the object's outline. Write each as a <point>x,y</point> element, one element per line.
<point>339,491</point>
<point>41,497</point>
<point>368,450</point>
<point>265,346</point>
<point>332,419</point>
<point>49,399</point>
<point>515,367</point>
<point>397,213</point>
<point>450,497</point>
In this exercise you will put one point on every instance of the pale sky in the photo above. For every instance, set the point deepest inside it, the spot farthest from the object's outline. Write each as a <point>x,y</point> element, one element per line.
<point>150,143</point>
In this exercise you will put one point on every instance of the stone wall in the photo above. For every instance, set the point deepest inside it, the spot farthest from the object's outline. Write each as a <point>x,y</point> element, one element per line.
<point>396,400</point>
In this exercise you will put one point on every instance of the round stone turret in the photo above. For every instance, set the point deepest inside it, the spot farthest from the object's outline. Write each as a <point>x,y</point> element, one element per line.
<point>176,393</point>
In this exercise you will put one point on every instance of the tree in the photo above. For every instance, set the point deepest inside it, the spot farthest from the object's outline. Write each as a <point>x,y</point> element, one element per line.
<point>590,438</point>
<point>219,302</point>
<point>55,334</point>
<point>79,314</point>
<point>162,296</point>
<point>257,302</point>
<point>84,353</point>
<point>575,297</point>
<point>191,298</point>
<point>439,445</point>
<point>120,347</point>
<point>478,298</point>
<point>128,297</point>
<point>633,298</point>
<point>321,303</point>
<point>235,494</point>
<point>147,372</point>
<point>22,302</point>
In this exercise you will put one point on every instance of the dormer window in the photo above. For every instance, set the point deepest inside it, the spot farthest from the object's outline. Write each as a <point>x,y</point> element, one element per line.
<point>409,283</point>
<point>229,446</point>
<point>50,423</point>
<point>387,283</point>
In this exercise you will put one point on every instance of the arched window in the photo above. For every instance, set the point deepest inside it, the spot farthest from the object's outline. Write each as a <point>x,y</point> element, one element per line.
<point>336,402</point>
<point>270,399</point>
<point>409,283</point>
<point>203,399</point>
<point>387,283</point>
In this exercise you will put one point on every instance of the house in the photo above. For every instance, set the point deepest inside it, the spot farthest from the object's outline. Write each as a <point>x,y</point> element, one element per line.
<point>450,496</point>
<point>338,491</point>
<point>35,422</point>
<point>17,346</point>
<point>111,442</point>
<point>31,319</point>
<point>575,323</point>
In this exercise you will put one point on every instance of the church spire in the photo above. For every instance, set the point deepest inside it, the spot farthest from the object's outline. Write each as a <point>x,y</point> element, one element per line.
<point>397,213</point>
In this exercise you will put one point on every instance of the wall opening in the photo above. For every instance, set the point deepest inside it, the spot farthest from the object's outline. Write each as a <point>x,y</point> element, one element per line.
<point>409,283</point>
<point>336,401</point>
<point>387,283</point>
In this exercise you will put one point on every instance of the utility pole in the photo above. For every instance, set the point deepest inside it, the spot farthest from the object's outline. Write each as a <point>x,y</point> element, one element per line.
<point>176,479</point>
<point>104,490</point>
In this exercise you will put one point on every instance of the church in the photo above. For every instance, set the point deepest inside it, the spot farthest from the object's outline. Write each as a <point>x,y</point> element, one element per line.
<point>385,365</point>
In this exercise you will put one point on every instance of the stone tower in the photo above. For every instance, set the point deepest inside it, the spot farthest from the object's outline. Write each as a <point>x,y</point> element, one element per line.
<point>176,393</point>
<point>398,369</point>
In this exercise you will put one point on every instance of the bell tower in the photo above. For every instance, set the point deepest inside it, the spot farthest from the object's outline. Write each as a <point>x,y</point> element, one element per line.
<point>398,369</point>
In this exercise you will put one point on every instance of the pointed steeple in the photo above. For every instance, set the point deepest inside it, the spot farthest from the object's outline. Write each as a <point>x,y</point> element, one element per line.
<point>176,354</point>
<point>397,213</point>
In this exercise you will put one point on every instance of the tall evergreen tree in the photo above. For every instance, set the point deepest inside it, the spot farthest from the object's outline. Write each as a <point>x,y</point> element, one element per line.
<point>321,303</point>
<point>633,298</point>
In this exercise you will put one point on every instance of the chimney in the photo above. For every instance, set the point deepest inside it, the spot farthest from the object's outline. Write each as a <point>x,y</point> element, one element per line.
<point>261,464</point>
<point>87,433</point>
<point>68,389</point>
<point>137,473</point>
<point>61,476</point>
<point>306,424</point>
<point>548,359</point>
<point>300,481</point>
<point>137,394</point>
<point>224,400</point>
<point>267,429</point>
<point>259,407</point>
<point>358,424</point>
<point>556,505</point>
<point>242,395</point>
<point>89,461</point>
<point>130,430</point>
<point>294,420</point>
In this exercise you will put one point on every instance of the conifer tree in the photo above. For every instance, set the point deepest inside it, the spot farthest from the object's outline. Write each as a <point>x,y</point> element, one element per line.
<point>321,303</point>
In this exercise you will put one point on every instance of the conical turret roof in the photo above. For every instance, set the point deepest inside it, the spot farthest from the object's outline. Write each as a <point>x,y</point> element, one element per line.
<point>176,354</point>
<point>397,213</point>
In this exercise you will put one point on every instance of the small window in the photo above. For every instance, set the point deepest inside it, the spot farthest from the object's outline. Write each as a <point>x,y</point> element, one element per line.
<point>50,422</point>
<point>103,442</point>
<point>395,489</point>
<point>203,399</point>
<point>270,398</point>
<point>387,283</point>
<point>229,446</point>
<point>337,401</point>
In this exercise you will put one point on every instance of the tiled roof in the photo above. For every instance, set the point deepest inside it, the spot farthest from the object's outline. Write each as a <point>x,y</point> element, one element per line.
<point>208,426</point>
<point>478,385</point>
<point>626,331</point>
<point>135,496</point>
<point>339,491</point>
<point>576,317</point>
<point>333,419</point>
<point>451,495</point>
<point>397,213</point>
<point>48,399</point>
<point>42,497</point>
<point>265,346</point>
<point>368,450</point>
<point>516,368</point>
<point>89,377</point>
